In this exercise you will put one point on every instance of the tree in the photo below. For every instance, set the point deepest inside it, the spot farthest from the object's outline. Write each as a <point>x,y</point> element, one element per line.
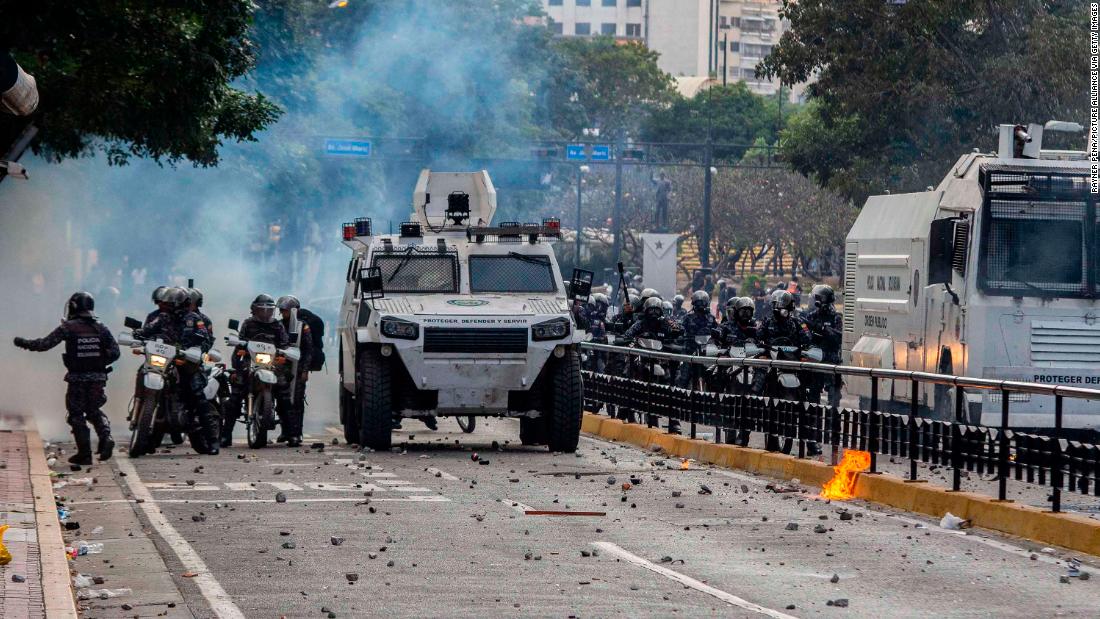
<point>597,82</point>
<point>138,79</point>
<point>903,90</point>
<point>726,114</point>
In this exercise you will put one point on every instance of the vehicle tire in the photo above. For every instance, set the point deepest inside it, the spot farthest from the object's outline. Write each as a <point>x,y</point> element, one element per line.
<point>349,416</point>
<point>373,399</point>
<point>262,405</point>
<point>467,423</point>
<point>532,431</point>
<point>142,437</point>
<point>567,393</point>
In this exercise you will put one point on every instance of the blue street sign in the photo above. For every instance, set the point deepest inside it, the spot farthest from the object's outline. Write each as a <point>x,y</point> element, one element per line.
<point>575,152</point>
<point>348,148</point>
<point>601,152</point>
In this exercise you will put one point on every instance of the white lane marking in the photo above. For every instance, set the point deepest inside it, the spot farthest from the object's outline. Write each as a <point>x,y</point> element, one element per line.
<point>441,473</point>
<point>688,581</point>
<point>410,489</point>
<point>373,474</point>
<point>284,485</point>
<point>519,507</point>
<point>394,482</point>
<point>420,498</point>
<point>179,486</point>
<point>211,589</point>
<point>931,525</point>
<point>239,486</point>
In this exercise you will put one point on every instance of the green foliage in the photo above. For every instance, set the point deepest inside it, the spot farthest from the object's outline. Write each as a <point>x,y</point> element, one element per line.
<point>136,78</point>
<point>727,114</point>
<point>903,90</point>
<point>597,82</point>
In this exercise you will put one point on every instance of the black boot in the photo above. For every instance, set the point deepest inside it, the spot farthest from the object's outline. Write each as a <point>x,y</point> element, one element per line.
<point>106,447</point>
<point>81,457</point>
<point>430,422</point>
<point>83,439</point>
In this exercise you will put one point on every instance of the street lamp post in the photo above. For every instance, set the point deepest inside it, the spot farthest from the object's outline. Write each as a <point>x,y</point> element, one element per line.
<point>581,171</point>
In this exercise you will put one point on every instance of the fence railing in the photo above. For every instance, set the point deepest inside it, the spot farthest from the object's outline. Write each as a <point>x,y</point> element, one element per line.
<point>1034,458</point>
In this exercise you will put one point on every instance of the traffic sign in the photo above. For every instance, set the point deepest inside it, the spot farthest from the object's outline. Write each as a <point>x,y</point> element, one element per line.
<point>348,148</point>
<point>575,152</point>
<point>601,152</point>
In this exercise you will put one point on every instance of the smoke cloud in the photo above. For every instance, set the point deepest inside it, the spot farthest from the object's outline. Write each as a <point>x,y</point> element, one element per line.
<point>267,220</point>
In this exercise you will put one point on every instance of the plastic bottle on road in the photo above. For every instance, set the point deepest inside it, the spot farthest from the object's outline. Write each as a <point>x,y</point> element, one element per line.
<point>85,548</point>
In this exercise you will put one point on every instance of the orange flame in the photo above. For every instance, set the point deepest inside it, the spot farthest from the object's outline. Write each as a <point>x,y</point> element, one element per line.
<point>843,484</point>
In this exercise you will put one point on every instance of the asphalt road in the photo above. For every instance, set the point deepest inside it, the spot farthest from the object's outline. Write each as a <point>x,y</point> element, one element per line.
<point>428,531</point>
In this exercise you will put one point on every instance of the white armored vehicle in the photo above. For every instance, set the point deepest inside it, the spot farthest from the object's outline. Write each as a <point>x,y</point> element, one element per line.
<point>455,317</point>
<point>993,274</point>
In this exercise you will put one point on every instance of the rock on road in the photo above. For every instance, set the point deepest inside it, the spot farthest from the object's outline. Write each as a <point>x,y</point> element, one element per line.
<point>428,531</point>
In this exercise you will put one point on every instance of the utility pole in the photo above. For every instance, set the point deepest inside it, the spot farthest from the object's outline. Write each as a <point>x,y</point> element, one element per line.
<point>704,248</point>
<point>725,58</point>
<point>581,170</point>
<point>617,214</point>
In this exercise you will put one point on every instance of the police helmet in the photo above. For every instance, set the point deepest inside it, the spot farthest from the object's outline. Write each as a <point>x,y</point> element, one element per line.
<point>263,308</point>
<point>700,301</point>
<point>635,301</point>
<point>177,297</point>
<point>158,294</point>
<point>743,309</point>
<point>600,300</point>
<point>80,304</point>
<point>668,307</point>
<point>678,300</point>
<point>650,292</point>
<point>288,302</point>
<point>783,303</point>
<point>654,307</point>
<point>633,292</point>
<point>823,295</point>
<point>195,296</point>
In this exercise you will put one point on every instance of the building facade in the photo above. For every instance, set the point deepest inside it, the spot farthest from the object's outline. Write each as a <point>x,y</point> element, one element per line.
<point>720,38</point>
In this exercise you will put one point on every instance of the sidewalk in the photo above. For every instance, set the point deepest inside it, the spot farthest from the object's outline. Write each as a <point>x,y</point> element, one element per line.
<point>36,582</point>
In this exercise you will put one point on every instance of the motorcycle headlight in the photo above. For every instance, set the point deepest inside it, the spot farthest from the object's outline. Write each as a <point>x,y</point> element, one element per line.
<point>158,361</point>
<point>400,329</point>
<point>263,358</point>
<point>554,329</point>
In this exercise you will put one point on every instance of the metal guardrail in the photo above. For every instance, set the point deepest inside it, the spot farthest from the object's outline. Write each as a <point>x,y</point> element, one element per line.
<point>1037,458</point>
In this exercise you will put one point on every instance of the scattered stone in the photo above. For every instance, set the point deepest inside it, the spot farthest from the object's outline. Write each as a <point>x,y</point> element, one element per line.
<point>372,555</point>
<point>835,579</point>
<point>483,462</point>
<point>839,603</point>
<point>318,445</point>
<point>676,493</point>
<point>351,576</point>
<point>336,541</point>
<point>335,441</point>
<point>198,518</point>
<point>280,497</point>
<point>289,545</point>
<point>792,526</point>
<point>389,563</point>
<point>666,559</point>
<point>820,529</point>
<point>190,482</point>
<point>126,607</point>
<point>585,553</point>
<point>18,578</point>
<point>1084,576</point>
<point>611,481</point>
<point>846,515</point>
<point>679,506</point>
<point>744,488</point>
<point>704,489</point>
<point>1064,580</point>
<point>99,580</point>
<point>790,606</point>
<point>72,525</point>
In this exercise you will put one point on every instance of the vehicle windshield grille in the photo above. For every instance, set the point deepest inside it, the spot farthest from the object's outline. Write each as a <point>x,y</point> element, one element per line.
<point>413,273</point>
<point>511,273</point>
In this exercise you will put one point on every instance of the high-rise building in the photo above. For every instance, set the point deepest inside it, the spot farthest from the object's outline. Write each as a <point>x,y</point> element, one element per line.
<point>724,39</point>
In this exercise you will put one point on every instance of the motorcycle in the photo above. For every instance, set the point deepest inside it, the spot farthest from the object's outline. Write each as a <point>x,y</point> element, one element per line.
<point>786,384</point>
<point>650,370</point>
<point>156,410</point>
<point>257,382</point>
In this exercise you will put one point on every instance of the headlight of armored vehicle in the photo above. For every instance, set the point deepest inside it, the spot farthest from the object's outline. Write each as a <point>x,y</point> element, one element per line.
<point>400,329</point>
<point>554,329</point>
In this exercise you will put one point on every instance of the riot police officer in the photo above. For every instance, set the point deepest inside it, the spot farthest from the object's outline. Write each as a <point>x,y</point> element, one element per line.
<point>827,329</point>
<point>262,326</point>
<point>784,327</point>
<point>189,329</point>
<point>160,302</point>
<point>739,328</point>
<point>89,350</point>
<point>699,322</point>
<point>195,298</point>
<point>302,335</point>
<point>678,309</point>
<point>653,324</point>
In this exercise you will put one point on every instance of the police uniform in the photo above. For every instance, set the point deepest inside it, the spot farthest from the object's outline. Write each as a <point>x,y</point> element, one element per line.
<point>692,325</point>
<point>773,332</point>
<point>272,333</point>
<point>292,422</point>
<point>89,349</point>
<point>827,330</point>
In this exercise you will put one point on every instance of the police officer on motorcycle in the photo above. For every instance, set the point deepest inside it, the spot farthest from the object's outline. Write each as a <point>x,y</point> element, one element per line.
<point>89,349</point>
<point>678,309</point>
<point>291,420</point>
<point>827,329</point>
<point>739,328</point>
<point>160,301</point>
<point>698,323</point>
<point>188,329</point>
<point>654,325</point>
<point>784,327</point>
<point>262,326</point>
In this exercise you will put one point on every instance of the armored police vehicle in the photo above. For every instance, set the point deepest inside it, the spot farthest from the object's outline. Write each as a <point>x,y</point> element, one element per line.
<point>455,317</point>
<point>992,274</point>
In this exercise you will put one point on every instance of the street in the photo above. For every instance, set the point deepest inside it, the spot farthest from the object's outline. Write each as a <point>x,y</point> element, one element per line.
<point>429,530</point>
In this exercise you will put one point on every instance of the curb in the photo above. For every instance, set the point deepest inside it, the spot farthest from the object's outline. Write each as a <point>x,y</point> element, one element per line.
<point>57,591</point>
<point>1067,530</point>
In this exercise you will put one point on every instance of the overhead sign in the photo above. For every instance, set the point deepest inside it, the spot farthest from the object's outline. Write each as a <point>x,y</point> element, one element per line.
<point>575,152</point>
<point>601,152</point>
<point>348,148</point>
